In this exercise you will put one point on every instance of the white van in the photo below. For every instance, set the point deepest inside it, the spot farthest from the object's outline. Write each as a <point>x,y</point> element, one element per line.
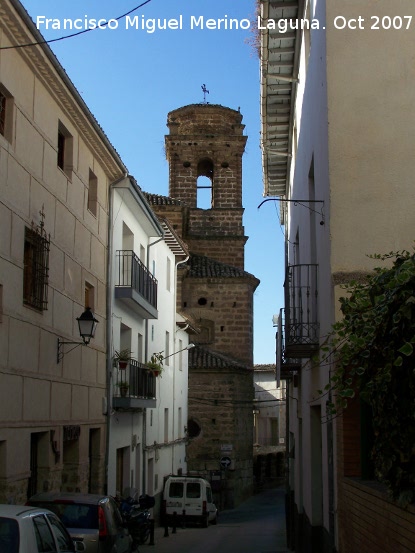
<point>188,497</point>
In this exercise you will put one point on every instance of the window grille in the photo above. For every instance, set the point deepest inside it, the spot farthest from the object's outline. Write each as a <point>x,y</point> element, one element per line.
<point>36,267</point>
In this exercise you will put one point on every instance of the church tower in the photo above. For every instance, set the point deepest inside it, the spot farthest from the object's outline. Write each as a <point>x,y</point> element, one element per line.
<point>204,149</point>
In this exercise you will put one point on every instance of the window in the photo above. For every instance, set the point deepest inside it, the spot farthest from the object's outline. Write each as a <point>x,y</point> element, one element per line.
<point>140,348</point>
<point>204,185</point>
<point>2,113</point>
<point>166,425</point>
<point>167,349</point>
<point>179,423</point>
<point>176,489</point>
<point>6,114</point>
<point>93,194</point>
<point>180,355</point>
<point>65,150</point>
<point>89,296</point>
<point>62,537</point>
<point>36,268</point>
<point>44,537</point>
<point>168,274</point>
<point>193,490</point>
<point>9,535</point>
<point>61,150</point>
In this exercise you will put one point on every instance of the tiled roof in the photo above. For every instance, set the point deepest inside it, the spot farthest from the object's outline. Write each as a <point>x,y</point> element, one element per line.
<point>264,368</point>
<point>157,199</point>
<point>204,358</point>
<point>204,267</point>
<point>172,239</point>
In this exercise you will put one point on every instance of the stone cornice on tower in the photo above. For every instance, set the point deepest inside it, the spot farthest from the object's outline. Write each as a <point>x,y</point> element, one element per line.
<point>200,357</point>
<point>201,266</point>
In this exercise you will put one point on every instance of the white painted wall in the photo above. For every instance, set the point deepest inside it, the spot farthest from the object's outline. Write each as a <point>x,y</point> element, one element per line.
<point>159,451</point>
<point>309,243</point>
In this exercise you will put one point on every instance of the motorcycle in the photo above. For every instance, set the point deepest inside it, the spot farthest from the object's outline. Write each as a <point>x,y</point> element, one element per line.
<point>137,517</point>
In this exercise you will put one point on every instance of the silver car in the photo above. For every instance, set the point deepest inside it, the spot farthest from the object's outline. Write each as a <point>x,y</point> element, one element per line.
<point>91,519</point>
<point>32,530</point>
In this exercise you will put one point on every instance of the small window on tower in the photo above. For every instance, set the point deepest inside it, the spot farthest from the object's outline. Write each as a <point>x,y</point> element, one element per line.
<point>204,184</point>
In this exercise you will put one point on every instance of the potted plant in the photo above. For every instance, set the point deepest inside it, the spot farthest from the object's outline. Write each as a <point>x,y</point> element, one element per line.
<point>156,363</point>
<point>122,358</point>
<point>123,386</point>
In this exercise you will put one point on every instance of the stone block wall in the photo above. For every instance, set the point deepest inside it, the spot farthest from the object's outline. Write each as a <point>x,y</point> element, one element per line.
<point>229,305</point>
<point>224,420</point>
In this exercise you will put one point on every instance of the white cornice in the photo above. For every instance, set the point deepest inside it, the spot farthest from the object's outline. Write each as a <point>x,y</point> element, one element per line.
<point>20,29</point>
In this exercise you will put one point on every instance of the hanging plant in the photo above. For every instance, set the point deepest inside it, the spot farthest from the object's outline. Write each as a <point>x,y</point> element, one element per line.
<point>373,348</point>
<point>123,386</point>
<point>122,358</point>
<point>156,363</point>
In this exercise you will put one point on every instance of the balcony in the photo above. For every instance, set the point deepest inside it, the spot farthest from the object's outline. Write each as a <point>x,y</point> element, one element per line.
<point>134,388</point>
<point>135,285</point>
<point>301,327</point>
<point>286,367</point>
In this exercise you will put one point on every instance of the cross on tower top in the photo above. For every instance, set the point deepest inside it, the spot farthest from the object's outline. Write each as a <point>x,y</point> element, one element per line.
<point>205,91</point>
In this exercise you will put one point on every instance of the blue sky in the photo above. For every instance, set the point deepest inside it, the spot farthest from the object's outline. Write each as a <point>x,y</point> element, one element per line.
<point>131,79</point>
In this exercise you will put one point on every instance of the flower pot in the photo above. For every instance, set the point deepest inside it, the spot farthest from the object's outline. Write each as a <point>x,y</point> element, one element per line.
<point>122,364</point>
<point>156,373</point>
<point>123,391</point>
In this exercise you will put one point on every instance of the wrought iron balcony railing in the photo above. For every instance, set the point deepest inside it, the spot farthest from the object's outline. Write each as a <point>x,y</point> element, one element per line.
<point>286,367</point>
<point>301,328</point>
<point>134,387</point>
<point>134,283</point>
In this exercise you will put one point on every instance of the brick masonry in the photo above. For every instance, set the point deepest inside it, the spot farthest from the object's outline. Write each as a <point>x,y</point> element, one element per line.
<point>207,140</point>
<point>368,520</point>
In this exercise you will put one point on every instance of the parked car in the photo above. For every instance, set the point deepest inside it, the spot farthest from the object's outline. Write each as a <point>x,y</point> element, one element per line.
<point>190,497</point>
<point>91,518</point>
<point>33,530</point>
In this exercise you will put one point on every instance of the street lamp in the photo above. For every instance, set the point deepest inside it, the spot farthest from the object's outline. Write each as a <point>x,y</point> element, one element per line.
<point>189,346</point>
<point>87,325</point>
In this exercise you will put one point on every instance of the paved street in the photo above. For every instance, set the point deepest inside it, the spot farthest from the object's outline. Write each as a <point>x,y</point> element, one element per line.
<point>256,526</point>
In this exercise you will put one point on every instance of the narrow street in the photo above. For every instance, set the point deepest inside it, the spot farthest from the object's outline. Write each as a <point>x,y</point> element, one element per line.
<point>256,526</point>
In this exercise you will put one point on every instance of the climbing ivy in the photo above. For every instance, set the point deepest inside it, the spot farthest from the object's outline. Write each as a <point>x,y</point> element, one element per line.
<point>374,355</point>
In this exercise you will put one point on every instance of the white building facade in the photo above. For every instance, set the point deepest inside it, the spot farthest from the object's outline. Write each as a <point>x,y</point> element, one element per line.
<point>342,167</point>
<point>147,422</point>
<point>56,166</point>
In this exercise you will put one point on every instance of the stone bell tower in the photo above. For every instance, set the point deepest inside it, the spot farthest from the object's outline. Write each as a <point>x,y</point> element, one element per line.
<point>207,141</point>
<point>204,149</point>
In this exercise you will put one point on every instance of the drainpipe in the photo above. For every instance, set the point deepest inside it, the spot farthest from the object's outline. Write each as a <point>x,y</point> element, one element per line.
<point>109,307</point>
<point>174,368</point>
<point>288,463</point>
<point>144,439</point>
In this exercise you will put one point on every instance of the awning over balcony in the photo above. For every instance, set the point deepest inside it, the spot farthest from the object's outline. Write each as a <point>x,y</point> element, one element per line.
<point>279,73</point>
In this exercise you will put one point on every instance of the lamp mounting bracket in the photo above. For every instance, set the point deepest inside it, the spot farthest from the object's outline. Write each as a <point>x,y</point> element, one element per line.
<point>61,353</point>
<point>303,203</point>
